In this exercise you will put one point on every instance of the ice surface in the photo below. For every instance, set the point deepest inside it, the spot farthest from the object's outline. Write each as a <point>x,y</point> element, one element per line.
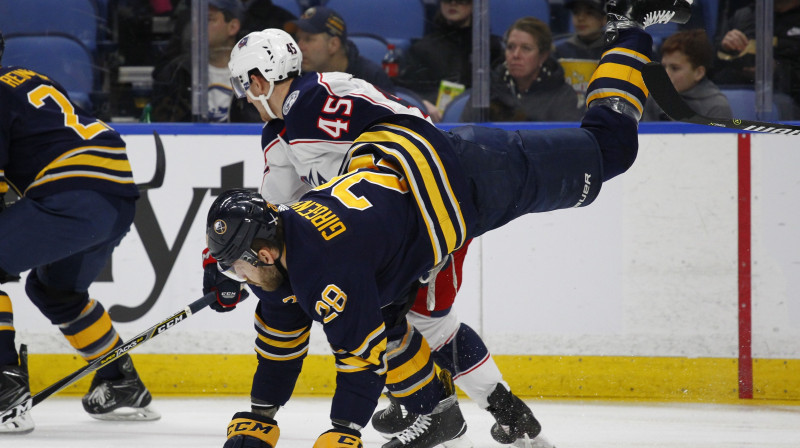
<point>201,422</point>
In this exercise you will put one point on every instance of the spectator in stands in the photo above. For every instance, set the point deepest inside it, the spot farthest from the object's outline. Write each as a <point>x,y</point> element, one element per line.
<point>172,81</point>
<point>529,85</point>
<point>735,61</point>
<point>580,53</point>
<point>262,14</point>
<point>445,54</point>
<point>686,55</point>
<point>322,37</point>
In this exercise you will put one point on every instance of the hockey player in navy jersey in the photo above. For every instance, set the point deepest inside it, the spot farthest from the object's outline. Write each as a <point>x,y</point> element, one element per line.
<point>302,153</point>
<point>347,253</point>
<point>77,201</point>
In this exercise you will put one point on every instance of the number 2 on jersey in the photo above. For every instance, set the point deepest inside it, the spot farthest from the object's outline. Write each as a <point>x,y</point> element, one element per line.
<point>37,96</point>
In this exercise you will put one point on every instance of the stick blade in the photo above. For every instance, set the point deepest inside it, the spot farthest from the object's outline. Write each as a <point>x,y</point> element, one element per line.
<point>664,93</point>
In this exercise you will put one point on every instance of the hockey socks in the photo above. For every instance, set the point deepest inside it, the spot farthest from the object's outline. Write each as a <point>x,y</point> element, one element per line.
<point>8,352</point>
<point>93,335</point>
<point>619,74</point>
<point>411,377</point>
<point>617,84</point>
<point>473,368</point>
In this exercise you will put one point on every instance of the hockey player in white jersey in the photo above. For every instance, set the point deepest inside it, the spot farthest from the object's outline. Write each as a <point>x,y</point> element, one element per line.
<point>312,120</point>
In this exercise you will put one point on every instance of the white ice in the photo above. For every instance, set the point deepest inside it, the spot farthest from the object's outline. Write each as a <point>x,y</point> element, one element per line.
<point>201,423</point>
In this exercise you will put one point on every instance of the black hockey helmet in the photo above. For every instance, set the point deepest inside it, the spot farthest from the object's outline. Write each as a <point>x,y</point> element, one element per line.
<point>235,219</point>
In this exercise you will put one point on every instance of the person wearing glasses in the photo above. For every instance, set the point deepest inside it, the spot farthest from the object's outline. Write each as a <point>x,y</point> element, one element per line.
<point>444,54</point>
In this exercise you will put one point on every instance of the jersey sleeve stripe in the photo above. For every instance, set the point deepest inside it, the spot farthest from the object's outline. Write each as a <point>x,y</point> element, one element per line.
<point>90,162</point>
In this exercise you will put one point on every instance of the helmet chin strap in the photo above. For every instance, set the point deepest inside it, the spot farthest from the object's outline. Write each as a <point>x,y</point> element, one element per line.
<point>263,99</point>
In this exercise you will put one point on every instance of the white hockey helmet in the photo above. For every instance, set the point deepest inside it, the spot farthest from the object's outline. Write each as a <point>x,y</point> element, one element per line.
<point>272,52</point>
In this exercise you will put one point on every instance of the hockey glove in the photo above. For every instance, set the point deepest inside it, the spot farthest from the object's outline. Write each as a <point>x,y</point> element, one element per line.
<point>229,291</point>
<point>339,437</point>
<point>250,430</point>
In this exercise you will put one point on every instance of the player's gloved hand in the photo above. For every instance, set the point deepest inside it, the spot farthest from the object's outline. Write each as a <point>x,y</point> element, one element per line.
<point>229,291</point>
<point>339,437</point>
<point>250,430</point>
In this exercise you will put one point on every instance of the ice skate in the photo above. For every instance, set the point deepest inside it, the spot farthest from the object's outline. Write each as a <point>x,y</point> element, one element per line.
<point>644,13</point>
<point>515,422</point>
<point>122,399</point>
<point>393,419</point>
<point>445,425</point>
<point>14,390</point>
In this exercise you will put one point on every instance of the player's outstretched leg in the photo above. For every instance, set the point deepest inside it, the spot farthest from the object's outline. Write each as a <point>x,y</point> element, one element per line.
<point>515,421</point>
<point>616,94</point>
<point>442,426</point>
<point>14,389</point>
<point>393,419</point>
<point>122,398</point>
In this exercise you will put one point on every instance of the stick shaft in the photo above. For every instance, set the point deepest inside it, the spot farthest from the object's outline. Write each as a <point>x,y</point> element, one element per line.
<point>670,101</point>
<point>155,330</point>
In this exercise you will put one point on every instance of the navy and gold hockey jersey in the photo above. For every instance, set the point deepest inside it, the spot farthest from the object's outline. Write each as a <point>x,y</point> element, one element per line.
<point>410,195</point>
<point>49,144</point>
<point>367,253</point>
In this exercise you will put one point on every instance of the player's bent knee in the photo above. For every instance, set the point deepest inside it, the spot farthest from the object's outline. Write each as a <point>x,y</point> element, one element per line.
<point>57,305</point>
<point>250,430</point>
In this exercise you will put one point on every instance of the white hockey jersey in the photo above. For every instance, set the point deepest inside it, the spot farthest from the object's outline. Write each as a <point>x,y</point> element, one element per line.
<point>323,114</point>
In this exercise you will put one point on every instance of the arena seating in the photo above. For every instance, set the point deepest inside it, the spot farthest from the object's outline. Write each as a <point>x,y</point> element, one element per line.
<point>59,56</point>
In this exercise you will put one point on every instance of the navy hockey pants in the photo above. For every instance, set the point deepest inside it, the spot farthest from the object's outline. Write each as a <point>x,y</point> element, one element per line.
<point>65,239</point>
<point>513,173</point>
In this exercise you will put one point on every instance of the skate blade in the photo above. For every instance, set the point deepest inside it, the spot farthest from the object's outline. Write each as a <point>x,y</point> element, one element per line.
<point>462,441</point>
<point>128,414</point>
<point>537,442</point>
<point>388,436</point>
<point>21,425</point>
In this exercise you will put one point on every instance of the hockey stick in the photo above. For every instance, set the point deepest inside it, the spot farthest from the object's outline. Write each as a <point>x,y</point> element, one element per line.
<point>25,404</point>
<point>670,101</point>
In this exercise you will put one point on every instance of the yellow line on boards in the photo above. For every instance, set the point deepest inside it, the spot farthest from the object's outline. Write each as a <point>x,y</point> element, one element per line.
<point>548,377</point>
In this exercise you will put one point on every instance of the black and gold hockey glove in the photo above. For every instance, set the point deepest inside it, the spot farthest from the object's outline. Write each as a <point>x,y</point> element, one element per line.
<point>250,430</point>
<point>339,437</point>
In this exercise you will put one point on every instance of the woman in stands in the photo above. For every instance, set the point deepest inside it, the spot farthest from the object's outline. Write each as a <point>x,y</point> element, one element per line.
<point>529,85</point>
